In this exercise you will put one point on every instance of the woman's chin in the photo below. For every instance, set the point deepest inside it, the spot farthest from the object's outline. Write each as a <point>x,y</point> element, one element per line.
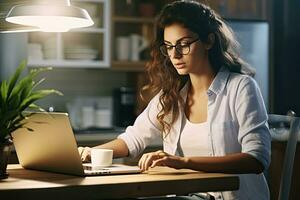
<point>182,71</point>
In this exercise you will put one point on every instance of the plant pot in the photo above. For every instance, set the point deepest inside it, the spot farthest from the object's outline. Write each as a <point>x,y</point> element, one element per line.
<point>5,149</point>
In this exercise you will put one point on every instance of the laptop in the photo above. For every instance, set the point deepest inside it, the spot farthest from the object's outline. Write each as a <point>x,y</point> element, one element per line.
<point>48,144</point>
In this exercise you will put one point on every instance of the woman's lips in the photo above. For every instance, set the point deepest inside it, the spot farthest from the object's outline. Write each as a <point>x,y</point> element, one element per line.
<point>179,65</point>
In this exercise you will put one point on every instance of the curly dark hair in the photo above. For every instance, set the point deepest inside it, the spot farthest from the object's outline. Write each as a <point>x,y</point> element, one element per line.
<point>164,78</point>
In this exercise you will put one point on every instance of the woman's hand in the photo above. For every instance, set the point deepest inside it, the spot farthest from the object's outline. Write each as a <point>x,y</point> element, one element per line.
<point>160,158</point>
<point>85,153</point>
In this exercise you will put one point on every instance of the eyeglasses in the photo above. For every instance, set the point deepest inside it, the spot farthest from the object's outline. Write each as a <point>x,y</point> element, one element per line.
<point>182,48</point>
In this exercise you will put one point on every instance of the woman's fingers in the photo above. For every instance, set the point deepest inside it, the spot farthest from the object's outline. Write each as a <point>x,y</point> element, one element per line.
<point>147,159</point>
<point>162,158</point>
<point>80,150</point>
<point>141,161</point>
<point>85,153</point>
<point>159,162</point>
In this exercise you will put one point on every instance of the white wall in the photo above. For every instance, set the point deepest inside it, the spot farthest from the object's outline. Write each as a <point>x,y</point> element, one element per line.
<point>12,52</point>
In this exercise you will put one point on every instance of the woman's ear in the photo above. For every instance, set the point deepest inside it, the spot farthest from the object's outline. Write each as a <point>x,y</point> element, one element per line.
<point>210,41</point>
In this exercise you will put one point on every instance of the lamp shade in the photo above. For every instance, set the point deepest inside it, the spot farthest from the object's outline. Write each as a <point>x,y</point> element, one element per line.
<point>50,17</point>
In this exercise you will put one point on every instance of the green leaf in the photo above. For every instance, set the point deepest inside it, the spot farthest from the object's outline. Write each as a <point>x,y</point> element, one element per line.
<point>36,96</point>
<point>4,89</point>
<point>36,107</point>
<point>26,90</point>
<point>15,77</point>
<point>9,115</point>
<point>34,72</point>
<point>23,83</point>
<point>14,103</point>
<point>20,92</point>
<point>35,84</point>
<point>28,83</point>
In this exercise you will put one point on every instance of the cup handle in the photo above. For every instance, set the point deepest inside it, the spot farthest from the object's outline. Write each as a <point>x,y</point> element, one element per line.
<point>143,44</point>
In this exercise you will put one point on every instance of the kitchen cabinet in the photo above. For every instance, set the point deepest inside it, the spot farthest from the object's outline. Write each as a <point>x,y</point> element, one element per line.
<point>132,32</point>
<point>84,48</point>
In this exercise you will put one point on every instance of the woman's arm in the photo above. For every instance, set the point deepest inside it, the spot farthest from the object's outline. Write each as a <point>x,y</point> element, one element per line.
<point>118,146</point>
<point>135,139</point>
<point>238,163</point>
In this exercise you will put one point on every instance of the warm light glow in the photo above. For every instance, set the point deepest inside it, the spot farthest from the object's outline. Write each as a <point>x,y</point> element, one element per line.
<point>50,18</point>
<point>51,23</point>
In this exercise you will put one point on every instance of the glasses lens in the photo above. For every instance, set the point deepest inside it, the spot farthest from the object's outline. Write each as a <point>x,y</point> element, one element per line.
<point>184,49</point>
<point>163,50</point>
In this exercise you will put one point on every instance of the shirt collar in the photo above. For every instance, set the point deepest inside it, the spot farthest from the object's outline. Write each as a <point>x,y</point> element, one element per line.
<point>219,81</point>
<point>216,86</point>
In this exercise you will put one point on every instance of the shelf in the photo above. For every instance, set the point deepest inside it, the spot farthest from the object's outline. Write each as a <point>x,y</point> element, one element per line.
<point>142,20</point>
<point>128,66</point>
<point>89,30</point>
<point>92,41</point>
<point>116,65</point>
<point>68,63</point>
<point>89,1</point>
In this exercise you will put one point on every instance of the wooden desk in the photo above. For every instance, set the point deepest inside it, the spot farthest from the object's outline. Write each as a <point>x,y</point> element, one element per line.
<point>31,184</point>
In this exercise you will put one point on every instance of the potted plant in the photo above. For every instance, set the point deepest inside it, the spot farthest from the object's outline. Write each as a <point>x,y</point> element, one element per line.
<point>17,95</point>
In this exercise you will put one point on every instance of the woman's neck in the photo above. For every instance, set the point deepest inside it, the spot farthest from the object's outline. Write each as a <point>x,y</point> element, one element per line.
<point>200,82</point>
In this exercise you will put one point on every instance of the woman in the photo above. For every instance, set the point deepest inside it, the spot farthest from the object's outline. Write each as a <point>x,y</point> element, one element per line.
<point>208,109</point>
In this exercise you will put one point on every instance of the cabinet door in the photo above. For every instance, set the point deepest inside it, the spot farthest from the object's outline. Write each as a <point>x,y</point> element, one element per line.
<point>79,48</point>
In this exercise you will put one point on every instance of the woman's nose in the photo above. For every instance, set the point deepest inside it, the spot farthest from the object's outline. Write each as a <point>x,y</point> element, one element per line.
<point>176,54</point>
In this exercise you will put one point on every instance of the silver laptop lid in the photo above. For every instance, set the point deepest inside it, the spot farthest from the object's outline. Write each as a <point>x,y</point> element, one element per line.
<point>51,146</point>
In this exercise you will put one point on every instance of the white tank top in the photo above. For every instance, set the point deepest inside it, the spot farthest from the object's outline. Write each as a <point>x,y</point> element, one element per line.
<point>193,139</point>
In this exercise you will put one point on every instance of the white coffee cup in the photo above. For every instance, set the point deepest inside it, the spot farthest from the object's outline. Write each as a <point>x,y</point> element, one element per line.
<point>138,44</point>
<point>101,158</point>
<point>123,48</point>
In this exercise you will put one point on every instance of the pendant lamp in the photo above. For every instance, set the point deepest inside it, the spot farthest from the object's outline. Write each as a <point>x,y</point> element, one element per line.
<point>49,15</point>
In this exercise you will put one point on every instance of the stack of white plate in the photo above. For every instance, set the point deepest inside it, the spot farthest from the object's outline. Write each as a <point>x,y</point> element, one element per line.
<point>81,53</point>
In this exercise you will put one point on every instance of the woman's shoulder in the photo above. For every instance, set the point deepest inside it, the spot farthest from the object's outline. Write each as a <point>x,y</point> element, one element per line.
<point>241,80</point>
<point>154,104</point>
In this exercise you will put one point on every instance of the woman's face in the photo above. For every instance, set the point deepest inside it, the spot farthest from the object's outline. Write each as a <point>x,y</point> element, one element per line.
<point>189,57</point>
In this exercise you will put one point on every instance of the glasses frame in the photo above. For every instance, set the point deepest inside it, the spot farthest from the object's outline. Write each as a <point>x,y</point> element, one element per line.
<point>177,47</point>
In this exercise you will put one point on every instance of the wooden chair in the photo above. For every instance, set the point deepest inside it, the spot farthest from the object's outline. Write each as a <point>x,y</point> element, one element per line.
<point>287,171</point>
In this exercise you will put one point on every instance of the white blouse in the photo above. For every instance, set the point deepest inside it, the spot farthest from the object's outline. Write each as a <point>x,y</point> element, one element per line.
<point>238,122</point>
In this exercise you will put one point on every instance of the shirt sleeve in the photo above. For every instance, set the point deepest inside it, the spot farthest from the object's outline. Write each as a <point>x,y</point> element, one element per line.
<point>254,135</point>
<point>144,131</point>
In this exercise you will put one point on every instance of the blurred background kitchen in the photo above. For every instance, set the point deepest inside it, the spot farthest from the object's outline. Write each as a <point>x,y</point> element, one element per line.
<point>100,69</point>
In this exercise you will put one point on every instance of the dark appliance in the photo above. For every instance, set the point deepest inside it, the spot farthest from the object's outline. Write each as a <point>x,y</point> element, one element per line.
<point>124,106</point>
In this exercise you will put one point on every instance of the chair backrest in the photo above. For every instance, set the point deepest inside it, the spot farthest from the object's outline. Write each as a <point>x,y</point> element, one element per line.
<point>287,171</point>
